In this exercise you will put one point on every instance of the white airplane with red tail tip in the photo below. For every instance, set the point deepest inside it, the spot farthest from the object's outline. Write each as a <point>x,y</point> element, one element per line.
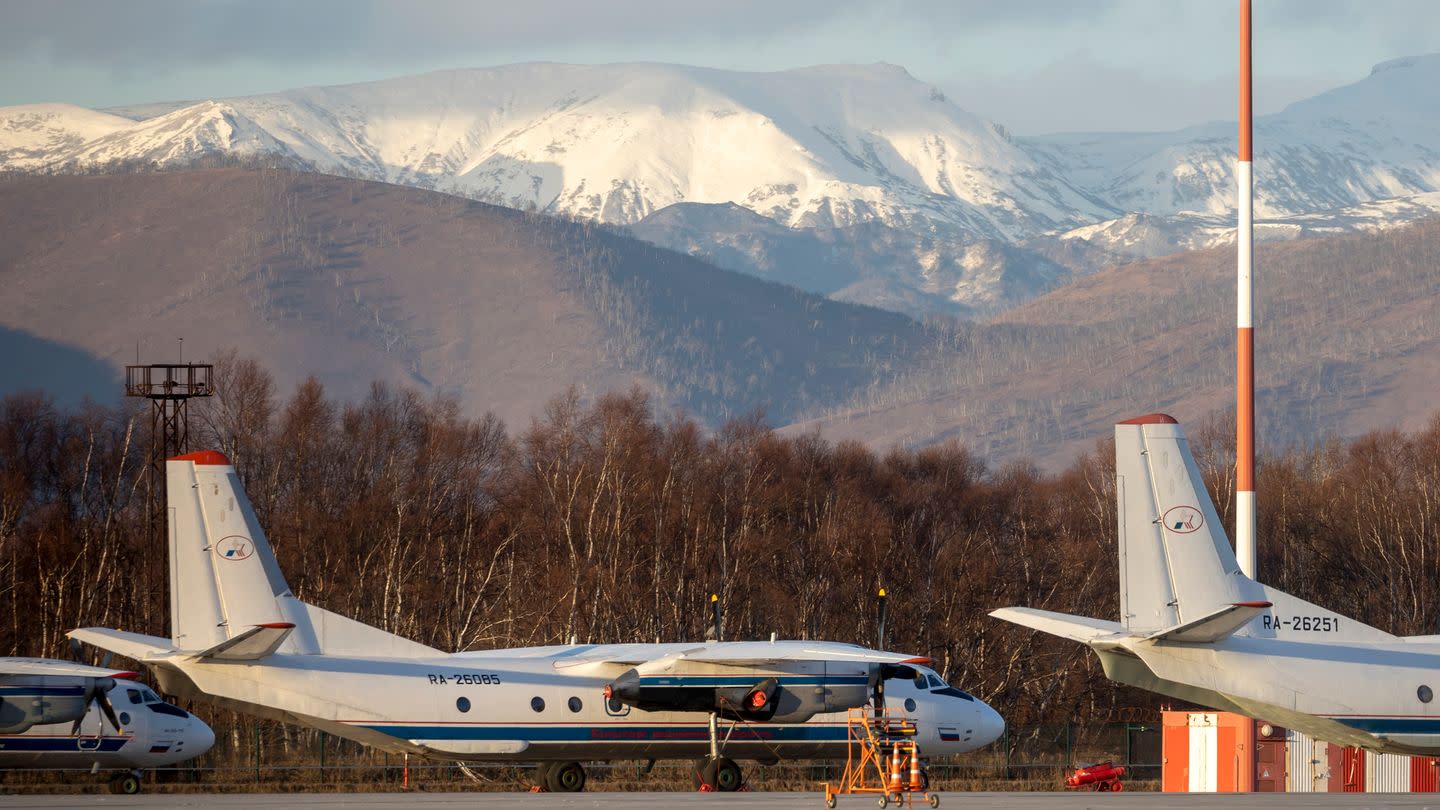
<point>1193,627</point>
<point>64,715</point>
<point>243,641</point>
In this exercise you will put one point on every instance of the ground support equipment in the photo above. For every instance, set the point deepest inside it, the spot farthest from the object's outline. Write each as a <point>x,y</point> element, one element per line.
<point>882,760</point>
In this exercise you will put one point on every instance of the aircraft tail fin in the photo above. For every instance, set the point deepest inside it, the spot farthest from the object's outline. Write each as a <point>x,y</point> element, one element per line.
<point>1176,564</point>
<point>228,597</point>
<point>1179,579</point>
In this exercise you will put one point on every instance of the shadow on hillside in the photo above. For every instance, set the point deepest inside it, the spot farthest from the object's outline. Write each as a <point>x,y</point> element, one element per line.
<point>67,374</point>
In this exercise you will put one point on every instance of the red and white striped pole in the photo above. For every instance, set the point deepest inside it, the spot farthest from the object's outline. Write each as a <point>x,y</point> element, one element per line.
<point>1245,324</point>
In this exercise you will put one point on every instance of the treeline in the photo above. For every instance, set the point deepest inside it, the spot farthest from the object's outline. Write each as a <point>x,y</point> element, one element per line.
<point>605,522</point>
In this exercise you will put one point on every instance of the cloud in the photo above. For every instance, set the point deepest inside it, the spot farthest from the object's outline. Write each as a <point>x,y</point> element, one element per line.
<point>177,32</point>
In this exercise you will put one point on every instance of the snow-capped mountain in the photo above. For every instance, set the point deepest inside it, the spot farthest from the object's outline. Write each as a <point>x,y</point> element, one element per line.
<point>878,188</point>
<point>1372,140</point>
<point>817,147</point>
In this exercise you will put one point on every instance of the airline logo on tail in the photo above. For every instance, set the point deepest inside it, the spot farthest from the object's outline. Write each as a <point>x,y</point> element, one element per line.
<point>1183,519</point>
<point>235,547</point>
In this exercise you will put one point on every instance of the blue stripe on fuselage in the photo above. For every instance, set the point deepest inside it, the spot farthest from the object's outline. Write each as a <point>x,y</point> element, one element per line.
<point>615,732</point>
<point>751,680</point>
<point>1392,725</point>
<point>76,691</point>
<point>108,745</point>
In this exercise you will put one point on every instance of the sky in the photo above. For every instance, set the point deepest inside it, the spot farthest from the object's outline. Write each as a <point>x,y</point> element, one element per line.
<point>1034,66</point>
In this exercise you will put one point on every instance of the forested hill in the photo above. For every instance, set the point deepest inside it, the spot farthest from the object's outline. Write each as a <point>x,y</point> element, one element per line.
<point>603,523</point>
<point>354,281</point>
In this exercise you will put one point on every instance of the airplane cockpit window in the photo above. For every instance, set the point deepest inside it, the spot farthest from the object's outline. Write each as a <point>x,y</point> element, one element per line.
<point>953,692</point>
<point>134,696</point>
<point>936,683</point>
<point>146,696</point>
<point>920,682</point>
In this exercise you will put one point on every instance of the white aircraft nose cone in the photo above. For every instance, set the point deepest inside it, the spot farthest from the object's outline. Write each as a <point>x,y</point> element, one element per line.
<point>988,726</point>
<point>198,738</point>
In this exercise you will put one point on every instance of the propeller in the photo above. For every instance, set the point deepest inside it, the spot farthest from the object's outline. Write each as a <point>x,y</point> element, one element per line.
<point>95,692</point>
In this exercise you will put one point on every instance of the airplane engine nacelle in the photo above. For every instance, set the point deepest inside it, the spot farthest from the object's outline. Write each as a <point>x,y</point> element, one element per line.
<point>43,700</point>
<point>757,701</point>
<point>764,700</point>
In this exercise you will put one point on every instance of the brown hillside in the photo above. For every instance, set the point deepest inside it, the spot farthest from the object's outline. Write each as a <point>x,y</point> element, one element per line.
<point>356,281</point>
<point>1348,340</point>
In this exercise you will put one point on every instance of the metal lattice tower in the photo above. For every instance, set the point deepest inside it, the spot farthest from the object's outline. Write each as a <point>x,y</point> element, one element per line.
<point>169,387</point>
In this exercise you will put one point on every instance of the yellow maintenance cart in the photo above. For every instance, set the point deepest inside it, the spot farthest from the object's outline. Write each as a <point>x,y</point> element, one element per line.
<point>883,759</point>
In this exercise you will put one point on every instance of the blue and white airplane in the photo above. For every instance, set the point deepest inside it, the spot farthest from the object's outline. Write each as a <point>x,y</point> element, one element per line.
<point>243,641</point>
<point>59,714</point>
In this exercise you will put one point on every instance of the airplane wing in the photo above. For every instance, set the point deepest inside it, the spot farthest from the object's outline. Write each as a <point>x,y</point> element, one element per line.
<point>743,654</point>
<point>47,666</point>
<point>1076,628</point>
<point>1213,626</point>
<point>763,653</point>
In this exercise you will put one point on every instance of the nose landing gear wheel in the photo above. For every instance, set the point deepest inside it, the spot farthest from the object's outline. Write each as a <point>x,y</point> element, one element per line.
<point>565,777</point>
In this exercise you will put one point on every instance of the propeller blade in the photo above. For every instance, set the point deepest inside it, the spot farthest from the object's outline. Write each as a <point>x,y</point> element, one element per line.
<point>109,711</point>
<point>715,616</point>
<point>880,622</point>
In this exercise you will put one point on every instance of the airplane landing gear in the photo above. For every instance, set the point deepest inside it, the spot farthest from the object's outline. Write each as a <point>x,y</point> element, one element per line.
<point>128,784</point>
<point>564,777</point>
<point>722,774</point>
<point>716,772</point>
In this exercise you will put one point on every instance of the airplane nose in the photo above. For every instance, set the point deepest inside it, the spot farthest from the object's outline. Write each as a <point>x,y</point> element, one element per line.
<point>198,738</point>
<point>988,726</point>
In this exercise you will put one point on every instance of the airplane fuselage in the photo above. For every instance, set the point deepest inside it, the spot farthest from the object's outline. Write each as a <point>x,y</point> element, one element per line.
<point>528,704</point>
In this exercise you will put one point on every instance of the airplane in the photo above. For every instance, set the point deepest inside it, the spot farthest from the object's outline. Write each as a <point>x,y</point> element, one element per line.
<point>59,714</point>
<point>243,641</point>
<point>1193,627</point>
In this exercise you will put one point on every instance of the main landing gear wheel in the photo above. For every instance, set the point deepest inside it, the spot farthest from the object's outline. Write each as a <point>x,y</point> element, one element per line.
<point>720,774</point>
<point>565,777</point>
<point>541,777</point>
<point>129,784</point>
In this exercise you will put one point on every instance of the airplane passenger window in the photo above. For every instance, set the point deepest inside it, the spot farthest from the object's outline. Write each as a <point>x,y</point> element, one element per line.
<point>909,704</point>
<point>124,718</point>
<point>537,703</point>
<point>134,696</point>
<point>575,704</point>
<point>463,704</point>
<point>1425,694</point>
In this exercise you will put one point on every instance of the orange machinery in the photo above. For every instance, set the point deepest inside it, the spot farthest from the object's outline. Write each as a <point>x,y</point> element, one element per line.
<point>882,759</point>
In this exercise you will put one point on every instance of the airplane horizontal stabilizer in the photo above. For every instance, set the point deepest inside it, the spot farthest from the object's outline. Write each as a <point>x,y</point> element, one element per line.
<point>131,645</point>
<point>251,645</point>
<point>44,666</point>
<point>1076,628</point>
<point>1211,628</point>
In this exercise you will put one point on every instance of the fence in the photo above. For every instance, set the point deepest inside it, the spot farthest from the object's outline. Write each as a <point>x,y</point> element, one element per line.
<point>262,756</point>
